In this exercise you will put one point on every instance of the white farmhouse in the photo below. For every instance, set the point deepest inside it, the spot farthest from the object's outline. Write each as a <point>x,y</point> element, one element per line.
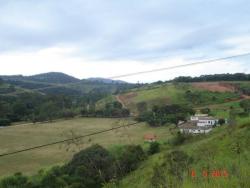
<point>197,116</point>
<point>204,120</point>
<point>207,121</point>
<point>199,123</point>
<point>190,127</point>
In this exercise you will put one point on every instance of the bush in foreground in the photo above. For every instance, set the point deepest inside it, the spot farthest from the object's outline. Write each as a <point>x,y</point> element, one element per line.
<point>154,148</point>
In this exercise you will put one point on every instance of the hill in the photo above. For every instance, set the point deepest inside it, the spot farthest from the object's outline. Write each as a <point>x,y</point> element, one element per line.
<point>51,77</point>
<point>193,94</point>
<point>60,83</point>
<point>220,159</point>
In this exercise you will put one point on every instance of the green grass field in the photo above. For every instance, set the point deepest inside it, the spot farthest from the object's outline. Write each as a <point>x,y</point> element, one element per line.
<point>19,137</point>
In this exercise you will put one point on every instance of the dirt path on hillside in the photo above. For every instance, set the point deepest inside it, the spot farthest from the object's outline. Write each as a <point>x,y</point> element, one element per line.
<point>215,86</point>
<point>119,99</point>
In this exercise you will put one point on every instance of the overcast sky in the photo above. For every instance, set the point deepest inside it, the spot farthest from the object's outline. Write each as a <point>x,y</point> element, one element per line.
<point>104,38</point>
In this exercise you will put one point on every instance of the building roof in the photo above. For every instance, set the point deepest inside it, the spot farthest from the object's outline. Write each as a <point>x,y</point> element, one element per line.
<point>201,115</point>
<point>207,118</point>
<point>192,125</point>
<point>149,136</point>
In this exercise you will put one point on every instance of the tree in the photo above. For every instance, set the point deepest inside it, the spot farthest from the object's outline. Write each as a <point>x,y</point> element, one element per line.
<point>20,110</point>
<point>47,111</point>
<point>5,109</point>
<point>4,122</point>
<point>18,180</point>
<point>117,104</point>
<point>245,104</point>
<point>68,113</point>
<point>130,158</point>
<point>205,111</point>
<point>221,121</point>
<point>92,166</point>
<point>159,116</point>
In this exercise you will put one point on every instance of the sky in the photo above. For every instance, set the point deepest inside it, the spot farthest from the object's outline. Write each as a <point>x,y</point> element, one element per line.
<point>105,38</point>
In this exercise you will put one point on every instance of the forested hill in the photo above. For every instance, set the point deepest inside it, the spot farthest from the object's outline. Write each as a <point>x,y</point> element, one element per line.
<point>60,83</point>
<point>215,77</point>
<point>58,78</point>
<point>51,77</point>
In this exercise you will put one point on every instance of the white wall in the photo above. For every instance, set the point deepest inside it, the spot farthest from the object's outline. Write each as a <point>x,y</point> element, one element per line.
<point>203,123</point>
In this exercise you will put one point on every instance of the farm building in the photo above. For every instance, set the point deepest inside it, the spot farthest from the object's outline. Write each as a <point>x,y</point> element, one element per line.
<point>191,127</point>
<point>204,120</point>
<point>199,123</point>
<point>149,137</point>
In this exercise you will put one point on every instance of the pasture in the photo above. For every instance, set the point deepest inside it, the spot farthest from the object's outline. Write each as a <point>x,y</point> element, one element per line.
<point>24,136</point>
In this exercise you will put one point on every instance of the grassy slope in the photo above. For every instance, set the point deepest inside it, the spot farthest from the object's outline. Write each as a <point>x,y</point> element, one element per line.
<point>172,93</point>
<point>23,136</point>
<point>216,150</point>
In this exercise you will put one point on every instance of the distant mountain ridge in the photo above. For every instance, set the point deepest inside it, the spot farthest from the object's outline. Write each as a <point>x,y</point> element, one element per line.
<point>60,83</point>
<point>50,77</point>
<point>58,78</point>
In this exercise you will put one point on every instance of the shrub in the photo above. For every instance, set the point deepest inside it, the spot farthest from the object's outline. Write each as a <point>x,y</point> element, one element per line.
<point>16,181</point>
<point>179,139</point>
<point>205,111</point>
<point>154,148</point>
<point>159,177</point>
<point>130,159</point>
<point>68,114</point>
<point>53,178</point>
<point>4,122</point>
<point>141,107</point>
<point>221,121</point>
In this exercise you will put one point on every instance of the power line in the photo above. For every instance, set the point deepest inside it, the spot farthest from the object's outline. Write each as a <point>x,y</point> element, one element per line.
<point>157,70</point>
<point>126,75</point>
<point>179,66</point>
<point>66,140</point>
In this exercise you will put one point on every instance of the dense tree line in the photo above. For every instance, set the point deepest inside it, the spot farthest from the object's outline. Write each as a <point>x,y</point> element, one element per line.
<point>35,107</point>
<point>90,168</point>
<point>160,115</point>
<point>215,77</point>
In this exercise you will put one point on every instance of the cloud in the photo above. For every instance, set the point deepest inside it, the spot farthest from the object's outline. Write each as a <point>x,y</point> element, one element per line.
<point>141,33</point>
<point>61,59</point>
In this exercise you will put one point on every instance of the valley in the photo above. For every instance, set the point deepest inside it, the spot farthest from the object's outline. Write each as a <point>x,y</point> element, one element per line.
<point>42,113</point>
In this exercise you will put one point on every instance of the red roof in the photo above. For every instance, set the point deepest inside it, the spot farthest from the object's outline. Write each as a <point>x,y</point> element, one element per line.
<point>149,136</point>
